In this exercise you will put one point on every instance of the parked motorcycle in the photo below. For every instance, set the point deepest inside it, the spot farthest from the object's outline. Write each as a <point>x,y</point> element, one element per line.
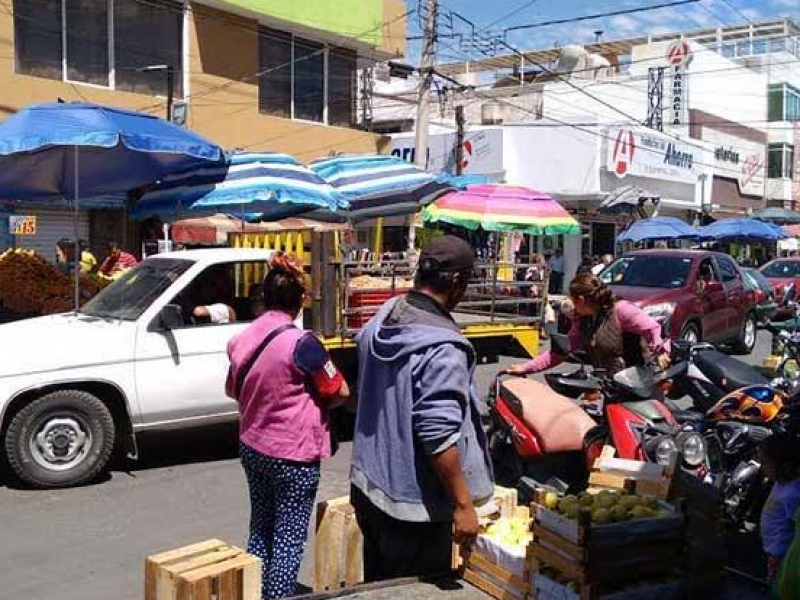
<point>540,434</point>
<point>734,429</point>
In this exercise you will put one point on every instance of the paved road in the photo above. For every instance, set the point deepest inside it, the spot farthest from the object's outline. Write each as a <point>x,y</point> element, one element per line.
<point>90,543</point>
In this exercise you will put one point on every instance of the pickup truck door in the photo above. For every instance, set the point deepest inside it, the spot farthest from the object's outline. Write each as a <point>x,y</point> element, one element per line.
<point>180,372</point>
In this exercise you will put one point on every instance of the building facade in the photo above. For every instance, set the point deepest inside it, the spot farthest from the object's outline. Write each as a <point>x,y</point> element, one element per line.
<point>277,75</point>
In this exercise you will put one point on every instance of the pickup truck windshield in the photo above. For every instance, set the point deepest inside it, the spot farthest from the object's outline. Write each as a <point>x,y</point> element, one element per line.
<point>649,271</point>
<point>131,295</point>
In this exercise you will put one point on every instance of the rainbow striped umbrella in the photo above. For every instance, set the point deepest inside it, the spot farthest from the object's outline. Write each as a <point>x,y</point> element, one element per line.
<point>502,208</point>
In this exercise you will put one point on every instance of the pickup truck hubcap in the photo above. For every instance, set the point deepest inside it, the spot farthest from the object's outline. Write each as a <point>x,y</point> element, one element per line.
<point>749,333</point>
<point>60,443</point>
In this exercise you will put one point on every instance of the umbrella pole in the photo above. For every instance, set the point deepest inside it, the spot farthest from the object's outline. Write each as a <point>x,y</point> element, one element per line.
<point>76,231</point>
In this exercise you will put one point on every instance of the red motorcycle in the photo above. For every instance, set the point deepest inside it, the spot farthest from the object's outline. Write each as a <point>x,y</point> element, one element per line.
<point>557,432</point>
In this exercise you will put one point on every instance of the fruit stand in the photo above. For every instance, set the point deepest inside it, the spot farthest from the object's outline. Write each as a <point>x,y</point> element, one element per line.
<point>30,286</point>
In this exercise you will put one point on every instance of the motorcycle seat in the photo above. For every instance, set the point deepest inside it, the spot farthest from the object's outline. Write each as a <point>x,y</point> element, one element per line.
<point>726,372</point>
<point>559,424</point>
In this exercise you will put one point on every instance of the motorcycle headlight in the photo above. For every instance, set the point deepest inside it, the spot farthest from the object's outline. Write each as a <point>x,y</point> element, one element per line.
<point>693,448</point>
<point>661,448</point>
<point>662,310</point>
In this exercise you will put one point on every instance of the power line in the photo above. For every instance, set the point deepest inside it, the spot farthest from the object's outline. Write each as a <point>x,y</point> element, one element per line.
<point>614,13</point>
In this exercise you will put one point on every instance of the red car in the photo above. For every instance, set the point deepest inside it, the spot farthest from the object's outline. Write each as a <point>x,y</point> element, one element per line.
<point>782,273</point>
<point>697,294</point>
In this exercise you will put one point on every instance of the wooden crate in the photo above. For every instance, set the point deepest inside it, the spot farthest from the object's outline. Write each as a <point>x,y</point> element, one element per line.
<point>204,571</point>
<point>338,546</point>
<point>546,588</point>
<point>641,478</point>
<point>485,573</point>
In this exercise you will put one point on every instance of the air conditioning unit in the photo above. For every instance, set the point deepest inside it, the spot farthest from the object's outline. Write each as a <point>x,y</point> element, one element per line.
<point>493,113</point>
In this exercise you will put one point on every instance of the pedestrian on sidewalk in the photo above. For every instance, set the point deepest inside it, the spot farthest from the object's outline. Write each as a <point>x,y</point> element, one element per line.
<point>420,459</point>
<point>285,384</point>
<point>556,266</point>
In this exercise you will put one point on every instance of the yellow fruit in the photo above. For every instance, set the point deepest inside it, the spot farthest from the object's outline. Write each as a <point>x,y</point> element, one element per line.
<point>551,500</point>
<point>601,516</point>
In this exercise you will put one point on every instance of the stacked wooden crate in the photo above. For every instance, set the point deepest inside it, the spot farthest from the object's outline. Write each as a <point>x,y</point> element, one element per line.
<point>581,560</point>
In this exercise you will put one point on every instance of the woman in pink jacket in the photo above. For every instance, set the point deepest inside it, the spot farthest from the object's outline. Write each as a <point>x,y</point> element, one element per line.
<point>285,384</point>
<point>613,333</point>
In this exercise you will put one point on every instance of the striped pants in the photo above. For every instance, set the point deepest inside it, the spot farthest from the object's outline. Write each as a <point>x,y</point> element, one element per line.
<point>282,495</point>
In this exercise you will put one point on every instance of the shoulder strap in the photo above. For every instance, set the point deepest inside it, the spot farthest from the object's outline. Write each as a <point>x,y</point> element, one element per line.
<point>243,372</point>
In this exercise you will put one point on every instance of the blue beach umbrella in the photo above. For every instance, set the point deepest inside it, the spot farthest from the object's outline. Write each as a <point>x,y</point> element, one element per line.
<point>657,228</point>
<point>742,230</point>
<point>262,186</point>
<point>380,185</point>
<point>52,152</point>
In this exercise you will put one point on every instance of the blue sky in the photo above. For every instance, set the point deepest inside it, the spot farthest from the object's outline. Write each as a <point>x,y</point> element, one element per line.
<point>706,13</point>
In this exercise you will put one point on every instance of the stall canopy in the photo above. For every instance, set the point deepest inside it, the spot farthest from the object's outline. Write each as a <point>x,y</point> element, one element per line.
<point>214,230</point>
<point>56,151</point>
<point>273,185</point>
<point>504,209</point>
<point>792,230</point>
<point>657,228</point>
<point>629,199</point>
<point>380,185</point>
<point>780,216</point>
<point>742,230</point>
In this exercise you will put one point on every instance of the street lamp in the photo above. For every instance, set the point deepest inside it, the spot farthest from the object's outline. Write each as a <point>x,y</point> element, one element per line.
<point>170,75</point>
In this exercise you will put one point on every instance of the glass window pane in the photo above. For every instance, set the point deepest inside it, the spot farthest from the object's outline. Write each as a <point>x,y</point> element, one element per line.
<point>86,29</point>
<point>144,35</point>
<point>309,85</point>
<point>759,46</point>
<point>775,161</point>
<point>275,81</point>
<point>341,86</point>
<point>37,37</point>
<point>743,48</point>
<point>728,50</point>
<point>775,103</point>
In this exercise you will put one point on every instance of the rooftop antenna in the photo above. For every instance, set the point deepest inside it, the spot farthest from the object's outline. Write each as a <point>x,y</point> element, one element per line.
<point>598,33</point>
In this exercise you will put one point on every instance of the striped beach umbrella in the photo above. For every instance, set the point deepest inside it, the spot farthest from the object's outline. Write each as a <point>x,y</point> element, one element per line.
<point>272,185</point>
<point>502,208</point>
<point>380,185</point>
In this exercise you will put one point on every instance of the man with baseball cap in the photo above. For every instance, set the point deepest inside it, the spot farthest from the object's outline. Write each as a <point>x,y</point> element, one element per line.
<point>420,458</point>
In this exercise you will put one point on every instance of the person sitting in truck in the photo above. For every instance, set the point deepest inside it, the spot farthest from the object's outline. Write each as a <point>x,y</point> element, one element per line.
<point>285,384</point>
<point>420,462</point>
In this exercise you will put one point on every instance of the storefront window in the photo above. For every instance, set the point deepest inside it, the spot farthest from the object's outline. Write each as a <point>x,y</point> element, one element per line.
<point>780,161</point>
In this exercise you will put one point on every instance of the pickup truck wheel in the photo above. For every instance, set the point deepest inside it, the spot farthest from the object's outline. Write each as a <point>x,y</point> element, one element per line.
<point>62,439</point>
<point>747,334</point>
<point>690,333</point>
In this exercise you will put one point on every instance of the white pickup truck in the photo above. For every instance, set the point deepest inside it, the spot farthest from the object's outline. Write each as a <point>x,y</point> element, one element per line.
<point>74,387</point>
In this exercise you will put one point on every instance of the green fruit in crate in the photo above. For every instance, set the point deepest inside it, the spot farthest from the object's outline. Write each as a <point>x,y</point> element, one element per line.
<point>572,511</point>
<point>641,512</point>
<point>566,502</point>
<point>628,502</point>
<point>601,516</point>
<point>585,499</point>
<point>651,502</point>
<point>619,513</point>
<point>605,499</point>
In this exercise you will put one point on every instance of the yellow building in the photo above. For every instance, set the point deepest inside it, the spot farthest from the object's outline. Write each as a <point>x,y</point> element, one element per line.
<point>277,75</point>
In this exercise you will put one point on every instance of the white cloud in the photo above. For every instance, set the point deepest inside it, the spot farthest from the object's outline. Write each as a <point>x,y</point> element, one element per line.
<point>785,4</point>
<point>626,24</point>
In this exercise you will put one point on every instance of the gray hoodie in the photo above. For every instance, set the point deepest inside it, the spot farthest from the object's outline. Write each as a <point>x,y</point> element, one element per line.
<point>416,398</point>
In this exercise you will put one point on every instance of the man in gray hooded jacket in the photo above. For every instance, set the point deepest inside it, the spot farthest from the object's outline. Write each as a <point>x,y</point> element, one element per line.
<point>420,459</point>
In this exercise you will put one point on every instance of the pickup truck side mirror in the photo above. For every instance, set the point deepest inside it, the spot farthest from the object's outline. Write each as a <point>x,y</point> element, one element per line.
<point>170,317</point>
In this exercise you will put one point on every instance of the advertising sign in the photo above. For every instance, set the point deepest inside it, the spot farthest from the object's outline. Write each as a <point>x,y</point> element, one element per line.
<point>645,153</point>
<point>483,152</point>
<point>737,158</point>
<point>21,225</point>
<point>679,54</point>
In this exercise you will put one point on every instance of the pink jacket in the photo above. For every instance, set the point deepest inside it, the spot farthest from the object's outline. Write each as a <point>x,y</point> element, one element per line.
<point>279,416</point>
<point>632,319</point>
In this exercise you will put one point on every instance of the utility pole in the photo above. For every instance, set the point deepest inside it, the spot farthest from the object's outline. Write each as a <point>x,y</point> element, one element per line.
<point>426,72</point>
<point>460,139</point>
